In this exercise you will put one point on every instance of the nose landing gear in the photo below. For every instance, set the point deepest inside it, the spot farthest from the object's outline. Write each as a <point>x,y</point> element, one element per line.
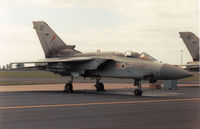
<point>99,85</point>
<point>69,86</point>
<point>138,91</point>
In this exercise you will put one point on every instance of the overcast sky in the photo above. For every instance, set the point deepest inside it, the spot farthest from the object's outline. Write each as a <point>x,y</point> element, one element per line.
<point>150,26</point>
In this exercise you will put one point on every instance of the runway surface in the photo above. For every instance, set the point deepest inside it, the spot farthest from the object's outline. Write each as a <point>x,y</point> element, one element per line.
<point>117,108</point>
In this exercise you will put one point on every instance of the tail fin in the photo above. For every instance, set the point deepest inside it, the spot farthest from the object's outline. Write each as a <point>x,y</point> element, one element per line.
<point>192,43</point>
<point>53,46</point>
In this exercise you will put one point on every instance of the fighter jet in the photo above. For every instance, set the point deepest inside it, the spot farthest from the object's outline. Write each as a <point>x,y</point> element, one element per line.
<point>65,60</point>
<point>192,43</point>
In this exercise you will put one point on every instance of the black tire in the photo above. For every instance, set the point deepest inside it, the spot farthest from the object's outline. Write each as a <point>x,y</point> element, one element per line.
<point>68,88</point>
<point>138,92</point>
<point>100,87</point>
<point>152,81</point>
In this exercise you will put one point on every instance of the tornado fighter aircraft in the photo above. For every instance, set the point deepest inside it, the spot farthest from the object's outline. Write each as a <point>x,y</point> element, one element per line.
<point>65,60</point>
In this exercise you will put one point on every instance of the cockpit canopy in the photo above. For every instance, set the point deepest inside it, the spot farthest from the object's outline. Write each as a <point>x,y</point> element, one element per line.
<point>132,54</point>
<point>142,55</point>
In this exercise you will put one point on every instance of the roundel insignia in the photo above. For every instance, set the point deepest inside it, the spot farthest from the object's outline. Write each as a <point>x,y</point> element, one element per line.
<point>121,65</point>
<point>53,37</point>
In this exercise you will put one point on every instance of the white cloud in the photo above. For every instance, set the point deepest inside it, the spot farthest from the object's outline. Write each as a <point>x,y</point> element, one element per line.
<point>156,43</point>
<point>18,43</point>
<point>3,12</point>
<point>12,2</point>
<point>54,3</point>
<point>151,26</point>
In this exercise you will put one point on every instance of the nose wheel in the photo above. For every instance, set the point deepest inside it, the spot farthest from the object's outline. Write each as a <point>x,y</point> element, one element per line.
<point>138,91</point>
<point>99,86</point>
<point>69,86</point>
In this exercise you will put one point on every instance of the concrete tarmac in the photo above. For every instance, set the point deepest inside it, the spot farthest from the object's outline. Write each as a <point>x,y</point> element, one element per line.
<point>117,108</point>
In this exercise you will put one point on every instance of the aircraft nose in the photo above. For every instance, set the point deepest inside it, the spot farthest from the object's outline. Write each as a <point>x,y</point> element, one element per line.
<point>172,72</point>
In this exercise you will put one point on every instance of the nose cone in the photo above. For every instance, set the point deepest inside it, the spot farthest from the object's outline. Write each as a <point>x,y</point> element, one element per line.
<point>172,72</point>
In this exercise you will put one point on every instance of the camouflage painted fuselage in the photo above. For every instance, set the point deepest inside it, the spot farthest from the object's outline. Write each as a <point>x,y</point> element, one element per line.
<point>115,65</point>
<point>63,59</point>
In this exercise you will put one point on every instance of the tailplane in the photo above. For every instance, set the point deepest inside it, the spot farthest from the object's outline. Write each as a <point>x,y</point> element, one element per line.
<point>192,43</point>
<point>53,46</point>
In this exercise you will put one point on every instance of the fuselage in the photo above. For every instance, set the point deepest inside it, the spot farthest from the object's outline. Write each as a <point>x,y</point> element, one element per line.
<point>116,65</point>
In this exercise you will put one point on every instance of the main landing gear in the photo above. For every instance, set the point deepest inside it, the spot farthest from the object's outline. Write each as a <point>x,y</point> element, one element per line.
<point>138,91</point>
<point>69,86</point>
<point>99,85</point>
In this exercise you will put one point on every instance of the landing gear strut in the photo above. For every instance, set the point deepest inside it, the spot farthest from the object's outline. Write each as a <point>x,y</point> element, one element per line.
<point>99,85</point>
<point>69,86</point>
<point>138,91</point>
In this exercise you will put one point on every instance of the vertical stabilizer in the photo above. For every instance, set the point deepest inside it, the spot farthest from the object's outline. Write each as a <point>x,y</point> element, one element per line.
<point>52,44</point>
<point>192,43</point>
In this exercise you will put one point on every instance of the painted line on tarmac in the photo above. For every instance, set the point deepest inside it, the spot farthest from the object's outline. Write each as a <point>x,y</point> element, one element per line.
<point>100,103</point>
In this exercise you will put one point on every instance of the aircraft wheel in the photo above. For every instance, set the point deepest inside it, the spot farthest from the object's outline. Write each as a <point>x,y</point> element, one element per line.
<point>138,92</point>
<point>100,87</point>
<point>69,88</point>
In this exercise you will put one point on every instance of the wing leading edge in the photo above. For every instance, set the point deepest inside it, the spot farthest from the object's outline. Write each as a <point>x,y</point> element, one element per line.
<point>57,60</point>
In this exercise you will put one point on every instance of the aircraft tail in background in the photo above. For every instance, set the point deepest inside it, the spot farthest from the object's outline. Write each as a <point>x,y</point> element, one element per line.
<point>192,43</point>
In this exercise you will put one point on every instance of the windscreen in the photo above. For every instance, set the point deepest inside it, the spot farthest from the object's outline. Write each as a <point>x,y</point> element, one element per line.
<point>143,56</point>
